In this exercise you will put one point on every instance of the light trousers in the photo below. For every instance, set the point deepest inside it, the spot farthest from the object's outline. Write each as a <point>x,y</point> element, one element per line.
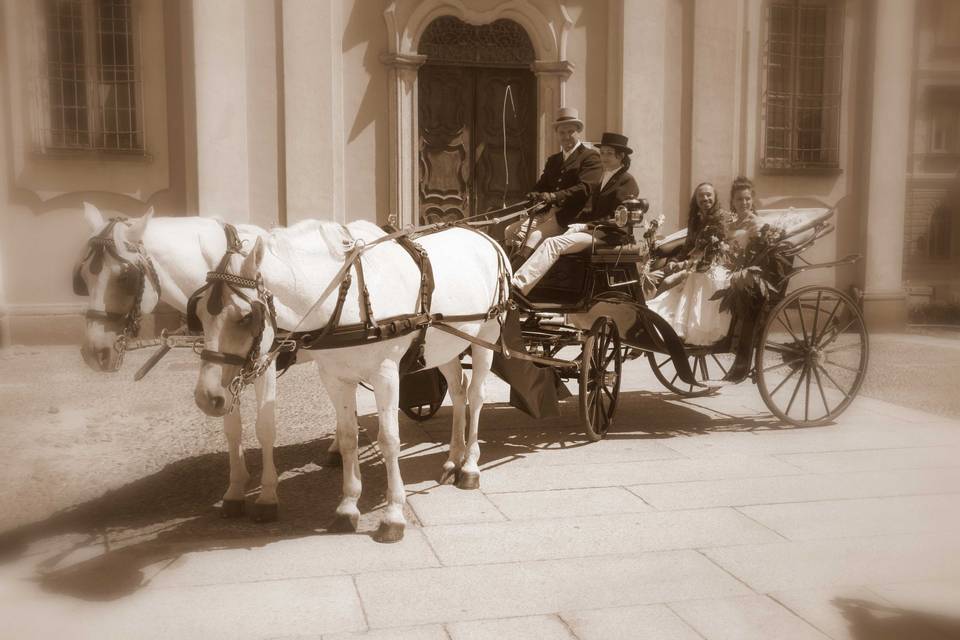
<point>575,239</point>
<point>537,229</point>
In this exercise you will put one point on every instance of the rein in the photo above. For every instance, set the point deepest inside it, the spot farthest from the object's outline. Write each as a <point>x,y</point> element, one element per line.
<point>101,244</point>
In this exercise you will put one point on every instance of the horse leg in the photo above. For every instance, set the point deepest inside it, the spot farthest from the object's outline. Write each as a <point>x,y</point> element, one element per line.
<point>233,499</point>
<point>386,388</point>
<point>332,457</point>
<point>482,360</point>
<point>265,508</point>
<point>457,387</point>
<point>343,395</point>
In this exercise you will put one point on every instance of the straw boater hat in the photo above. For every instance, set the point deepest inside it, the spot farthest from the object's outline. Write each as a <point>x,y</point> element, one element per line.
<point>615,140</point>
<point>568,115</point>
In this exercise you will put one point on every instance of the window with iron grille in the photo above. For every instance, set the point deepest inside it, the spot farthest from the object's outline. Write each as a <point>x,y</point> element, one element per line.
<point>90,95</point>
<point>802,60</point>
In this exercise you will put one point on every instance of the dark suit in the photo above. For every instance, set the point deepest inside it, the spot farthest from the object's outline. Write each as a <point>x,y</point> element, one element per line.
<point>621,186</point>
<point>572,181</point>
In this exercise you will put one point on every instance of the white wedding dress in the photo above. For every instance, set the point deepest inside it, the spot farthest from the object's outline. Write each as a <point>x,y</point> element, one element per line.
<point>688,308</point>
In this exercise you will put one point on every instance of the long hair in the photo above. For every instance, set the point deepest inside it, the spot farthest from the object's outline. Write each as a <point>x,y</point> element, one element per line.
<point>695,218</point>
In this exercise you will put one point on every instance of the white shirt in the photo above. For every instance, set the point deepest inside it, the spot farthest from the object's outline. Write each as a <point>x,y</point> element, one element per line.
<point>606,176</point>
<point>566,154</point>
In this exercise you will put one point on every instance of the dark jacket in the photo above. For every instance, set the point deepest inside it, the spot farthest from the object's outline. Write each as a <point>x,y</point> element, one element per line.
<point>573,181</point>
<point>621,186</point>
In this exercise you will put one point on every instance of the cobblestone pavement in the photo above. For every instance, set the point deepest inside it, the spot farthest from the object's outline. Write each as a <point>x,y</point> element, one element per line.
<point>694,519</point>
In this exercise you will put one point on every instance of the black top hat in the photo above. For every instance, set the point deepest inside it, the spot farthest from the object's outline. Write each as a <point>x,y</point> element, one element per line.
<point>615,140</point>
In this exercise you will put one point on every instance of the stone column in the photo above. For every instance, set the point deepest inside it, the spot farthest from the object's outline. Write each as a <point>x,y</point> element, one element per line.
<point>551,93</point>
<point>884,299</point>
<point>636,89</point>
<point>219,40</point>
<point>716,82</point>
<point>313,109</point>
<point>404,206</point>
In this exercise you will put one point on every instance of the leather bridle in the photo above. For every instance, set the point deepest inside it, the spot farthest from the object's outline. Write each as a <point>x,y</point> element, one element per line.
<point>252,365</point>
<point>97,247</point>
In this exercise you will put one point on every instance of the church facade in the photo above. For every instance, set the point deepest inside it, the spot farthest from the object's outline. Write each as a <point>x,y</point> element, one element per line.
<point>275,111</point>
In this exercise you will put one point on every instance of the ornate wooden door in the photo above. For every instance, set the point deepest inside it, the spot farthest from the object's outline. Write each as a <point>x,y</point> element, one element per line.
<point>464,166</point>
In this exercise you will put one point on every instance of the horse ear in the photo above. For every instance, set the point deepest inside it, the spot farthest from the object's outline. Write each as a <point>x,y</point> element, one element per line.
<point>251,264</point>
<point>139,227</point>
<point>93,216</point>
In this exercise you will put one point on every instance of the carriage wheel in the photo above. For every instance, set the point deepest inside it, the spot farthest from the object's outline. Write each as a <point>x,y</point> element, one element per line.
<point>812,357</point>
<point>706,368</point>
<point>600,365</point>
<point>423,412</point>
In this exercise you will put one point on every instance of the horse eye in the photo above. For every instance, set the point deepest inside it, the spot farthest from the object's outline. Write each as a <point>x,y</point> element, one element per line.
<point>246,319</point>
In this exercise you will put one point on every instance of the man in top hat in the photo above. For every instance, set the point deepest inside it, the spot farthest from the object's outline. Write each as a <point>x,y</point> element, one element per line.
<point>616,186</point>
<point>567,182</point>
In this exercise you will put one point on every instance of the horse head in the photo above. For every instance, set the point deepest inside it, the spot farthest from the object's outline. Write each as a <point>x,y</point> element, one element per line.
<point>236,315</point>
<point>119,279</point>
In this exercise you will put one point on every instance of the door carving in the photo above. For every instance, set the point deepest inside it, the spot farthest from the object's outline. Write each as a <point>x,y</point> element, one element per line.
<point>474,154</point>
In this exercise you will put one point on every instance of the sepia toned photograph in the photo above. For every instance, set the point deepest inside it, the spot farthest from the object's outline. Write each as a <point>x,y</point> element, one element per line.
<point>480,319</point>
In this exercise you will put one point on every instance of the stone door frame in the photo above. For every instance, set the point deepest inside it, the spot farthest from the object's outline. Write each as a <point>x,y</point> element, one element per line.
<point>547,24</point>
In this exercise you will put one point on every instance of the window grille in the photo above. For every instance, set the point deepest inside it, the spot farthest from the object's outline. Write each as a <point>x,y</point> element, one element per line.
<point>93,92</point>
<point>803,54</point>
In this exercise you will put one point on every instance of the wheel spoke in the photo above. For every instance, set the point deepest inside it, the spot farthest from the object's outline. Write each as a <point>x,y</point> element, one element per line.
<point>783,364</point>
<point>703,368</point>
<point>836,334</point>
<point>796,389</point>
<point>780,348</point>
<point>829,319</point>
<point>719,364</point>
<point>806,399</point>
<point>674,378</point>
<point>842,366</point>
<point>783,382</point>
<point>803,325</point>
<point>789,329</point>
<point>660,365</point>
<point>834,382</point>
<point>816,316</point>
<point>823,396</point>
<point>846,347</point>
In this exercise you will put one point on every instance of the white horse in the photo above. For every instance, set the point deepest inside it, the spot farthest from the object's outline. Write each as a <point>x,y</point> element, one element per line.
<point>296,265</point>
<point>166,253</point>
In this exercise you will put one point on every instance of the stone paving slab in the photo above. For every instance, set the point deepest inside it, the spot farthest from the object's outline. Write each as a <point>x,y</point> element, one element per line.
<point>568,503</point>
<point>875,459</point>
<point>509,478</point>
<point>426,632</point>
<point>446,504</point>
<point>269,609</point>
<point>822,608</point>
<point>842,562</point>
<point>800,488</point>
<point>455,594</point>
<point>313,556</point>
<point>646,622</point>
<point>593,536</point>
<point>861,517</point>
<point>744,618</point>
<point>526,628</point>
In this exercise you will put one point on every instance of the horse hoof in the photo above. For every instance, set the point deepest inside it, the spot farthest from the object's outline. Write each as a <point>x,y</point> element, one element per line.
<point>332,459</point>
<point>448,476</point>
<point>232,508</point>
<point>390,532</point>
<point>265,512</point>
<point>344,523</point>
<point>468,480</point>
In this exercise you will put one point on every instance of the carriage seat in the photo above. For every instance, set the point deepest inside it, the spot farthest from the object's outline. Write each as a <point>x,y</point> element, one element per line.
<point>798,224</point>
<point>607,254</point>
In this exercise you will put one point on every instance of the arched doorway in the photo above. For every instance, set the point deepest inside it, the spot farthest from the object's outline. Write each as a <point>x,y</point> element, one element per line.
<point>477,103</point>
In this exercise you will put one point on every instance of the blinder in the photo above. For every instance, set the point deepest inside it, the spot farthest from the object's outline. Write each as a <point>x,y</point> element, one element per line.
<point>79,284</point>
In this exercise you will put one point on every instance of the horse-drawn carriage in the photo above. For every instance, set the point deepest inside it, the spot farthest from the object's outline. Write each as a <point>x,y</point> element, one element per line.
<point>270,296</point>
<point>809,345</point>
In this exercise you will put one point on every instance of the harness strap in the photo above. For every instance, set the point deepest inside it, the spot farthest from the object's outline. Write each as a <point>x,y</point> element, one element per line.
<point>223,358</point>
<point>414,358</point>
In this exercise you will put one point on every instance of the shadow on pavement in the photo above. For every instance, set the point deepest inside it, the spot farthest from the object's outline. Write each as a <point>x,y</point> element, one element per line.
<point>99,550</point>
<point>873,621</point>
